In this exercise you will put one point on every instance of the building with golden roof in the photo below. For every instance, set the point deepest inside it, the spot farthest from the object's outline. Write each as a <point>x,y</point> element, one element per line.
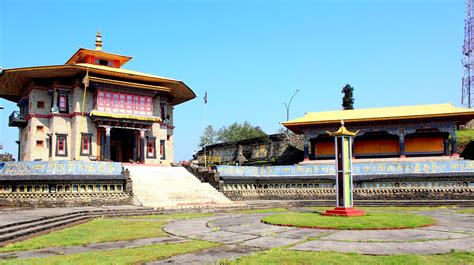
<point>409,131</point>
<point>91,108</point>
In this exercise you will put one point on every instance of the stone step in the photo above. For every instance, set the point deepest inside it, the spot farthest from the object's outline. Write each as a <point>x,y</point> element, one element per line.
<point>172,187</point>
<point>40,228</point>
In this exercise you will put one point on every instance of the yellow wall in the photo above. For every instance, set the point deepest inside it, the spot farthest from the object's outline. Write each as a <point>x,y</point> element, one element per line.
<point>325,148</point>
<point>376,146</point>
<point>424,144</point>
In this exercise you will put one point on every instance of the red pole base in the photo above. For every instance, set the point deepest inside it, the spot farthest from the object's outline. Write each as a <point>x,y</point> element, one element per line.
<point>455,155</point>
<point>342,211</point>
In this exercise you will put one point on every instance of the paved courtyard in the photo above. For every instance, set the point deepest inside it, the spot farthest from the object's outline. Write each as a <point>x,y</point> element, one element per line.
<point>243,234</point>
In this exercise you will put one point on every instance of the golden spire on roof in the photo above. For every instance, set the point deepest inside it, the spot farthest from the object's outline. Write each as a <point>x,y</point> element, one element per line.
<point>98,42</point>
<point>342,131</point>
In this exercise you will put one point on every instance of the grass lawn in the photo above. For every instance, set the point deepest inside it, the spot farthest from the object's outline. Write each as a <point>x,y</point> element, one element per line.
<point>390,208</point>
<point>372,220</point>
<point>95,231</point>
<point>268,210</point>
<point>121,256</point>
<point>471,211</point>
<point>284,256</point>
<point>464,136</point>
<point>171,216</point>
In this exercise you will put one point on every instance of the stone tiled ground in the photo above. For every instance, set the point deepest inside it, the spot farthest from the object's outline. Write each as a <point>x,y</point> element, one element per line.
<point>242,234</point>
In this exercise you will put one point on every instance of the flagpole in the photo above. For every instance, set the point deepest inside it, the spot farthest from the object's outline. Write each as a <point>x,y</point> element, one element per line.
<point>85,80</point>
<point>205,124</point>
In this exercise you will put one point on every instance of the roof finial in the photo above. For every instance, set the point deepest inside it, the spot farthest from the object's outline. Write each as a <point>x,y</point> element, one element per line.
<point>342,122</point>
<point>98,42</point>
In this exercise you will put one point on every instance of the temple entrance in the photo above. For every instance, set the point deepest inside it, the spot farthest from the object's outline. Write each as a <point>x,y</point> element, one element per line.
<point>122,145</point>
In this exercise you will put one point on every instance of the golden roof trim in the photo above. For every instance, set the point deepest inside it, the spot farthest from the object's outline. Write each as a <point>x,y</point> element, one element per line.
<point>388,113</point>
<point>129,84</point>
<point>124,116</point>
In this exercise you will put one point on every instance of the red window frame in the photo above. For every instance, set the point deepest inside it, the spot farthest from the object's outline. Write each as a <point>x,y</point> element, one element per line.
<point>61,148</point>
<point>62,102</point>
<point>108,97</point>
<point>142,103</point>
<point>86,145</point>
<point>136,102</point>
<point>121,102</point>
<point>150,148</point>
<point>148,104</point>
<point>100,99</point>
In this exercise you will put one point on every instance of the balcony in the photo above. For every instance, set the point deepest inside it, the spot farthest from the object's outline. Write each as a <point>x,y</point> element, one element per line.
<point>17,119</point>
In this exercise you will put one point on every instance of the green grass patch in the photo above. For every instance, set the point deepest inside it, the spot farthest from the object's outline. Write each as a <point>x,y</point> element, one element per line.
<point>95,231</point>
<point>464,136</point>
<point>372,220</point>
<point>284,256</point>
<point>390,208</point>
<point>171,216</point>
<point>137,255</point>
<point>268,210</point>
<point>468,211</point>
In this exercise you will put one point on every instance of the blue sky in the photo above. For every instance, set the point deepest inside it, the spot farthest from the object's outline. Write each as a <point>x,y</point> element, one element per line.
<point>252,55</point>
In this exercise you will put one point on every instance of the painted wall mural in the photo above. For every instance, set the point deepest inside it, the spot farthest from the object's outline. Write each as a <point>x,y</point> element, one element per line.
<point>370,168</point>
<point>62,167</point>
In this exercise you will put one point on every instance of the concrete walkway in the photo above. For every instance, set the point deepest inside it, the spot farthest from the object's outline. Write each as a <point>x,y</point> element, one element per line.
<point>243,234</point>
<point>452,231</point>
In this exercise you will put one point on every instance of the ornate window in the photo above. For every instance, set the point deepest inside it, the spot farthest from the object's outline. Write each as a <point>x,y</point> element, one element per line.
<point>150,147</point>
<point>61,144</point>
<point>124,103</point>
<point>62,103</point>
<point>86,144</point>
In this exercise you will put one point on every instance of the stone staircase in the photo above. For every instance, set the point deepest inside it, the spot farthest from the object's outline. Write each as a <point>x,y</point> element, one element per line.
<point>173,187</point>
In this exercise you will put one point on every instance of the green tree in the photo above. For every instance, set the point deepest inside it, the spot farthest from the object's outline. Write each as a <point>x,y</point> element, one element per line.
<point>237,132</point>
<point>209,136</point>
<point>348,99</point>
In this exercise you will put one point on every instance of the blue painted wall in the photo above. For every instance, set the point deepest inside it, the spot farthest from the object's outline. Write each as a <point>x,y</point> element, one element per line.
<point>371,168</point>
<point>62,167</point>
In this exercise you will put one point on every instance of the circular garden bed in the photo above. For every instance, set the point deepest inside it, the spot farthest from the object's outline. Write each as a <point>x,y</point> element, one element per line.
<point>370,221</point>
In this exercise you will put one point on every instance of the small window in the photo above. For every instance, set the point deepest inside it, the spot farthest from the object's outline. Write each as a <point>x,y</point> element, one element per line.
<point>40,104</point>
<point>37,189</point>
<point>97,188</point>
<point>104,62</point>
<point>39,128</point>
<point>40,143</point>
<point>86,144</point>
<point>67,188</point>
<point>29,188</point>
<point>83,188</point>
<point>119,187</point>
<point>104,187</point>
<point>75,188</point>
<point>62,103</point>
<point>90,188</point>
<point>112,188</point>
<point>59,188</point>
<point>150,147</point>
<point>61,145</point>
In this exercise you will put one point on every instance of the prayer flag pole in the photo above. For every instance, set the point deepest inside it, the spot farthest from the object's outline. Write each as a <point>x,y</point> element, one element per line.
<point>343,158</point>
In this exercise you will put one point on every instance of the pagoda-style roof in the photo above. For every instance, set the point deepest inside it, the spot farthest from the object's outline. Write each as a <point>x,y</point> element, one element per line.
<point>13,82</point>
<point>102,67</point>
<point>80,55</point>
<point>372,115</point>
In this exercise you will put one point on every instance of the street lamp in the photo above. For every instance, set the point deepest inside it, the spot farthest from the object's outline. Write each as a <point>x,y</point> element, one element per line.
<point>287,106</point>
